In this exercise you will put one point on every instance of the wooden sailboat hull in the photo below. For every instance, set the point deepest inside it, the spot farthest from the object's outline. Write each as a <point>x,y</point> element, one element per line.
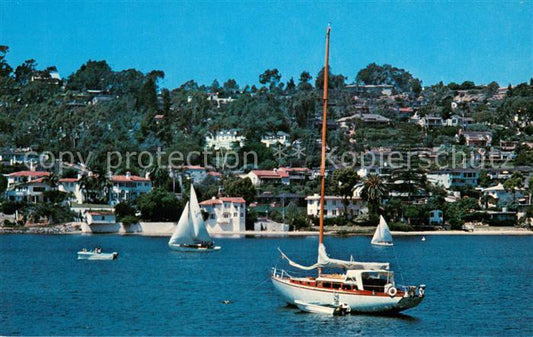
<point>359,303</point>
<point>181,248</point>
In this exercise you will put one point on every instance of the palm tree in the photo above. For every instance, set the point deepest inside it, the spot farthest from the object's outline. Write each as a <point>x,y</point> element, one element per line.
<point>373,192</point>
<point>512,184</point>
<point>159,175</point>
<point>52,180</point>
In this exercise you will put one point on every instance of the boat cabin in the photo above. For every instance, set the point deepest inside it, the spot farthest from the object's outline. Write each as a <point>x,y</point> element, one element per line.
<point>353,280</point>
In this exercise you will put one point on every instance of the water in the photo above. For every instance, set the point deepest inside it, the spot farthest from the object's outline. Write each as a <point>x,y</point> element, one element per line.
<point>476,285</point>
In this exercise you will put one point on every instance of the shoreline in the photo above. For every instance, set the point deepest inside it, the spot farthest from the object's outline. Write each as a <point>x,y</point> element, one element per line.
<point>68,230</point>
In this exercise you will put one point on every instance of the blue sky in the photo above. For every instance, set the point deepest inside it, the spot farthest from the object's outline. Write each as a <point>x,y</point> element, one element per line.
<point>204,40</point>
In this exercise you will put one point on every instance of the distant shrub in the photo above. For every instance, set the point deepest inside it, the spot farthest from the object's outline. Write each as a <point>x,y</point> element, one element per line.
<point>401,227</point>
<point>129,220</point>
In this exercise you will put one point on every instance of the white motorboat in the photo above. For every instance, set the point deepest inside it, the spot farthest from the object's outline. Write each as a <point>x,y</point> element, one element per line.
<point>382,236</point>
<point>96,254</point>
<point>191,233</point>
<point>339,310</point>
<point>367,287</point>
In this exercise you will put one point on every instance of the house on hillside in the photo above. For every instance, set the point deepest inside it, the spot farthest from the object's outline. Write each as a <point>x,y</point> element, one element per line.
<point>31,191</point>
<point>260,177</point>
<point>128,187</point>
<point>456,120</point>
<point>454,177</point>
<point>20,177</point>
<point>475,138</point>
<point>196,173</point>
<point>73,187</point>
<point>224,140</point>
<point>498,196</point>
<point>280,137</point>
<point>430,121</point>
<point>334,207</point>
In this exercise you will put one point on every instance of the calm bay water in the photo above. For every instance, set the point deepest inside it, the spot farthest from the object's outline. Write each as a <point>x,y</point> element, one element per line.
<point>476,285</point>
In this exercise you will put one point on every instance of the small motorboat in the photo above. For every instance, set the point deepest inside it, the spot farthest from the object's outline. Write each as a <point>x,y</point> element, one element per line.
<point>336,310</point>
<point>423,238</point>
<point>96,254</point>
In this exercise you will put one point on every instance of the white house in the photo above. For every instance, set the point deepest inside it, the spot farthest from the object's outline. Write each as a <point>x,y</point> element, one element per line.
<point>281,138</point>
<point>224,139</point>
<point>219,100</point>
<point>499,196</point>
<point>225,214</point>
<point>128,187</point>
<point>456,120</point>
<point>430,121</point>
<point>32,191</point>
<point>260,177</point>
<point>454,178</point>
<point>26,186</point>
<point>100,222</point>
<point>333,206</point>
<point>72,186</point>
<point>19,177</point>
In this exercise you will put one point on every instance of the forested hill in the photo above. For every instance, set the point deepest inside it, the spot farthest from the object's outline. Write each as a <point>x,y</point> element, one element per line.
<point>98,109</point>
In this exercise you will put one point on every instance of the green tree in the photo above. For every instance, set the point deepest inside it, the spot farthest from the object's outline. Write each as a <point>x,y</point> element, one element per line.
<point>515,182</point>
<point>124,209</point>
<point>96,75</point>
<point>5,68</point>
<point>159,205</point>
<point>344,180</point>
<point>373,192</point>
<point>237,187</point>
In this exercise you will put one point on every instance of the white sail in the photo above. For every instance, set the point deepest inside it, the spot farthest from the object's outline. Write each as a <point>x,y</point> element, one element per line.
<point>199,229</point>
<point>183,233</point>
<point>324,261</point>
<point>382,234</point>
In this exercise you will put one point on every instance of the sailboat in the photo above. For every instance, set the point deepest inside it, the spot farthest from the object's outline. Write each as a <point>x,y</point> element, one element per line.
<point>191,234</point>
<point>366,287</point>
<point>382,236</point>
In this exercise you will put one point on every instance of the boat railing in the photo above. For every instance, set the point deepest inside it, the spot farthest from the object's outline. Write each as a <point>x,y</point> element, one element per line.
<point>280,273</point>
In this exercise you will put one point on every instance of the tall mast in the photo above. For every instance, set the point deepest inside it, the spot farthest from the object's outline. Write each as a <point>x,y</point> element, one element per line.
<point>324,129</point>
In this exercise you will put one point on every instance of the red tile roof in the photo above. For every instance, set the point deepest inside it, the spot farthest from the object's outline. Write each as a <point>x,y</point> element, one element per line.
<point>266,174</point>
<point>405,109</point>
<point>235,200</point>
<point>100,212</point>
<point>68,180</point>
<point>125,179</point>
<point>29,174</point>
<point>193,167</point>
<point>211,202</point>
